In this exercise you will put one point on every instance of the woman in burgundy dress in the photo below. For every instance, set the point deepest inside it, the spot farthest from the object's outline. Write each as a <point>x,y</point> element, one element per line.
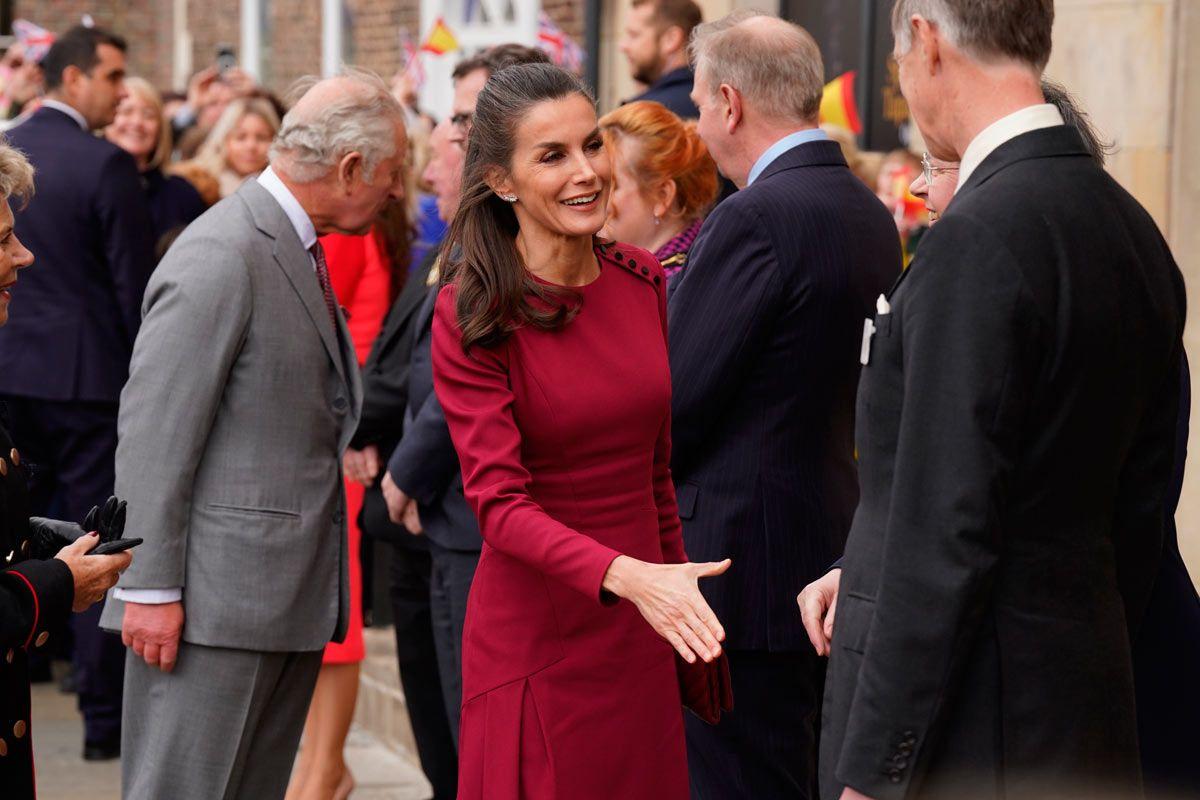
<point>550,362</point>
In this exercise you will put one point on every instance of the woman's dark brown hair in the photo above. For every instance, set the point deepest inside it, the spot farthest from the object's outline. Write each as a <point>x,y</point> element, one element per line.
<point>496,293</point>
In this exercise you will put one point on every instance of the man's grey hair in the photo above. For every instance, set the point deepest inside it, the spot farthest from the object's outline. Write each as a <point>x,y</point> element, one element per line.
<point>361,119</point>
<point>983,29</point>
<point>775,65</point>
<point>16,173</point>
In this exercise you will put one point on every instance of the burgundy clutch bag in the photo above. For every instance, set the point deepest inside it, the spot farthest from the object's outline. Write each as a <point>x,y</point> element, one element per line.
<point>705,688</point>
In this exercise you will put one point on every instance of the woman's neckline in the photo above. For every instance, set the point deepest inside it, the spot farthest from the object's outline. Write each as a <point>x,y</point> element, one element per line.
<point>580,287</point>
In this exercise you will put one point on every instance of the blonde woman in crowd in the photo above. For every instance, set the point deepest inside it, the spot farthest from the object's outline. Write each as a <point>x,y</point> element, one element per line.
<point>236,149</point>
<point>140,130</point>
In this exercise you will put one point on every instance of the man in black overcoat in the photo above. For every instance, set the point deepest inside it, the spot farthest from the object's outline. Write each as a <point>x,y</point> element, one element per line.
<point>1016,431</point>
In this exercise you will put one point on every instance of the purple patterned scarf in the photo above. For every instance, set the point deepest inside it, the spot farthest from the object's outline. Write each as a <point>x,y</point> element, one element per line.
<point>673,254</point>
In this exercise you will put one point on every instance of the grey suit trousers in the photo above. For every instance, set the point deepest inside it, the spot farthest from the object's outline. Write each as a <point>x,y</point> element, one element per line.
<point>224,725</point>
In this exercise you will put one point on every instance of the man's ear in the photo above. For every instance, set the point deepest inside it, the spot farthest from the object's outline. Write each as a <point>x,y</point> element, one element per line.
<point>350,170</point>
<point>928,37</point>
<point>731,99</point>
<point>672,40</point>
<point>71,75</point>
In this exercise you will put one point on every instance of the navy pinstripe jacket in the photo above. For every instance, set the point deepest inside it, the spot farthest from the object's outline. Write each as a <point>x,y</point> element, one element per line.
<point>765,330</point>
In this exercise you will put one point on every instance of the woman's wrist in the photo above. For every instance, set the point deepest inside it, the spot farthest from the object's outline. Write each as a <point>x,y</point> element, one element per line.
<point>619,577</point>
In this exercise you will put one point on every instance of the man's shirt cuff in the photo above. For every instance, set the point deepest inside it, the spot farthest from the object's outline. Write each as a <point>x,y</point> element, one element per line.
<point>149,596</point>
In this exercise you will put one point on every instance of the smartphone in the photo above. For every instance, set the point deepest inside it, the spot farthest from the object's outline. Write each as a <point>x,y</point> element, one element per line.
<point>226,59</point>
<point>118,546</point>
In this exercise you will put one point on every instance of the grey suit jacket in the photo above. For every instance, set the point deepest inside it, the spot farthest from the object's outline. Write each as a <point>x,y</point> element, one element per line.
<point>241,398</point>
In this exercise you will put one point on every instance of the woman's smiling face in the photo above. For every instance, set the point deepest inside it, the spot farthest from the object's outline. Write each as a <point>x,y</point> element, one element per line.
<point>559,172</point>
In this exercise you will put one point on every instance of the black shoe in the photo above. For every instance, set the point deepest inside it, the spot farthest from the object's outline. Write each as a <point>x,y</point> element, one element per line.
<point>101,752</point>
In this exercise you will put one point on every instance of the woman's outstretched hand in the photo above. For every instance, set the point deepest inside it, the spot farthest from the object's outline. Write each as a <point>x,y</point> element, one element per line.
<point>668,596</point>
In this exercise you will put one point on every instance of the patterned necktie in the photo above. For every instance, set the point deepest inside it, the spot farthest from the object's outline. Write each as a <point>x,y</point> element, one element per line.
<point>318,253</point>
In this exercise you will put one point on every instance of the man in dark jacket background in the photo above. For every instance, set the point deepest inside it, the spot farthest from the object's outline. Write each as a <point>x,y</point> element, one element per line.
<point>765,328</point>
<point>655,43</point>
<point>64,356</point>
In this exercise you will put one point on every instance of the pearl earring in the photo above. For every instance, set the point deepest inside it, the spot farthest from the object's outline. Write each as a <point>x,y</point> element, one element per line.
<point>508,198</point>
<point>657,221</point>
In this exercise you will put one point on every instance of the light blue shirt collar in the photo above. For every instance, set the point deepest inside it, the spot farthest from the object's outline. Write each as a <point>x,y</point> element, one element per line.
<point>70,111</point>
<point>291,207</point>
<point>782,146</point>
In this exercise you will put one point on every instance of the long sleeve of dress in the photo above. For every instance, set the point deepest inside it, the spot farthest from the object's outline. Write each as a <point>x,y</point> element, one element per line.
<point>478,401</point>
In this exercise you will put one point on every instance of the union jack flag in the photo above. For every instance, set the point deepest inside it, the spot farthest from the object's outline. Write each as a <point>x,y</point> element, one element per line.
<point>413,68</point>
<point>562,48</point>
<point>37,40</point>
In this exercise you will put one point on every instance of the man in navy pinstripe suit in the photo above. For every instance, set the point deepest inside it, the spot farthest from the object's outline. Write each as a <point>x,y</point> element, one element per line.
<point>765,332</point>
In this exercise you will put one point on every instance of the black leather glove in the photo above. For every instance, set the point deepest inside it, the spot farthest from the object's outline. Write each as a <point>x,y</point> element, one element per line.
<point>48,536</point>
<point>109,520</point>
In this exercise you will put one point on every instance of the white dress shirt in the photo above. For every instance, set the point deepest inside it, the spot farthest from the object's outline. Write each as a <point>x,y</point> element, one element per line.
<point>68,110</point>
<point>1030,118</point>
<point>307,233</point>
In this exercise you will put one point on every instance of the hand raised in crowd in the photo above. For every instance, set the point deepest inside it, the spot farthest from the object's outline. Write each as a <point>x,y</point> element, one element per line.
<point>818,605</point>
<point>93,575</point>
<point>152,630</point>
<point>668,597</point>
<point>362,466</point>
<point>199,86</point>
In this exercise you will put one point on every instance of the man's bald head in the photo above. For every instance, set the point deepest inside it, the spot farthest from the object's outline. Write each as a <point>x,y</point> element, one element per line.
<point>350,113</point>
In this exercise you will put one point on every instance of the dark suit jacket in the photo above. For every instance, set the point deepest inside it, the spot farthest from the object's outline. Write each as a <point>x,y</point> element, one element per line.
<point>385,398</point>
<point>765,328</point>
<point>77,310</point>
<point>425,464</point>
<point>1166,653</point>
<point>1016,432</point>
<point>674,91</point>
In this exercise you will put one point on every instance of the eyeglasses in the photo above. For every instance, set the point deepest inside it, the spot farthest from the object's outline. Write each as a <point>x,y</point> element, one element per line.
<point>930,170</point>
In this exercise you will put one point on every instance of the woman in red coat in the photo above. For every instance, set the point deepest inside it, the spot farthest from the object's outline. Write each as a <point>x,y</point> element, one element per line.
<point>550,362</point>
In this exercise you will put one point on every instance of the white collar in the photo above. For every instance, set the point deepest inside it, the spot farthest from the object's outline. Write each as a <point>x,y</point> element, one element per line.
<point>70,111</point>
<point>291,207</point>
<point>1030,118</point>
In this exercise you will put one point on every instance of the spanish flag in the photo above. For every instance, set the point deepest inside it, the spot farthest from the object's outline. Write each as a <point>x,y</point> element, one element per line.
<point>838,106</point>
<point>440,40</point>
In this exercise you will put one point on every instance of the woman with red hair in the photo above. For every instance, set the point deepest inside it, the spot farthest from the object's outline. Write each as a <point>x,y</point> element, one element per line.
<point>664,181</point>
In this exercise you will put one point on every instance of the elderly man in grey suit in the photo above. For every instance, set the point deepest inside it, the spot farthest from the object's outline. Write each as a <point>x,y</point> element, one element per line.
<point>243,393</point>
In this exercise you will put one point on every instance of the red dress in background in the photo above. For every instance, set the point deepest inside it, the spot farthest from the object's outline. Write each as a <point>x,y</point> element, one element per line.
<point>564,441</point>
<point>361,276</point>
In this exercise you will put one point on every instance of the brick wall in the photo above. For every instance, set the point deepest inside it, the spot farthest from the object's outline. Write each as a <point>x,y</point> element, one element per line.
<point>291,31</point>
<point>145,25</point>
<point>211,23</point>
<point>373,28</point>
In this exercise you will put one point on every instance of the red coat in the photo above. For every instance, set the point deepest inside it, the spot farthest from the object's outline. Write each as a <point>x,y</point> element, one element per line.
<point>564,441</point>
<point>361,274</point>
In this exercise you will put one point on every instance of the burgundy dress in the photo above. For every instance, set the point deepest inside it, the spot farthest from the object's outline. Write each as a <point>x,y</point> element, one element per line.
<point>564,441</point>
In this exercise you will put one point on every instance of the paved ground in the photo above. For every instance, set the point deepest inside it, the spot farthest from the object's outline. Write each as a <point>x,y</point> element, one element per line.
<point>63,775</point>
